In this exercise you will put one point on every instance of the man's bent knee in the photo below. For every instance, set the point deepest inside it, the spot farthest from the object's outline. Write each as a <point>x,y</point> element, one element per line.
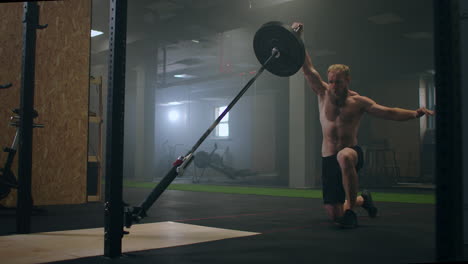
<point>347,158</point>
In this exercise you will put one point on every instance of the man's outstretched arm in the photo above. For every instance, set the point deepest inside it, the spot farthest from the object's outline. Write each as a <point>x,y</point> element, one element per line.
<point>311,74</point>
<point>393,113</point>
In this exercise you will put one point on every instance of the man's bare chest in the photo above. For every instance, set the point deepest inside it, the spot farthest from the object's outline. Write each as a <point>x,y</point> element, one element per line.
<point>348,112</point>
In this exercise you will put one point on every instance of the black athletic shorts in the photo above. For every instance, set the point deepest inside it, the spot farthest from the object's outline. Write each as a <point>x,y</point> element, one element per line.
<point>332,185</point>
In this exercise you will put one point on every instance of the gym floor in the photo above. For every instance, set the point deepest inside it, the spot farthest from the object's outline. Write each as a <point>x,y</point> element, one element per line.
<point>291,230</point>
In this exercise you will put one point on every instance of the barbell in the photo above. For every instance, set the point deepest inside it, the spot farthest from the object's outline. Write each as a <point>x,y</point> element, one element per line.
<point>280,50</point>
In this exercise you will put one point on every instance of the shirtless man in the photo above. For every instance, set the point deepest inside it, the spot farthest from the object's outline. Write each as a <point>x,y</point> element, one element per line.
<point>341,111</point>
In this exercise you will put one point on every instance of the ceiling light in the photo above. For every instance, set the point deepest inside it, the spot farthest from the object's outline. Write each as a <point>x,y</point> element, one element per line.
<point>184,76</point>
<point>174,103</point>
<point>95,33</point>
<point>195,41</point>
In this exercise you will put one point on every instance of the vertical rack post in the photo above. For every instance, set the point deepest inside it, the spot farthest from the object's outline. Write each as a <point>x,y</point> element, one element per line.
<point>113,229</point>
<point>24,202</point>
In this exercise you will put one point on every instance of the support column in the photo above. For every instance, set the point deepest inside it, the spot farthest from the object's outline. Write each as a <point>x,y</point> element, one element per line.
<point>150,112</point>
<point>464,88</point>
<point>140,127</point>
<point>304,134</point>
<point>146,82</point>
<point>449,141</point>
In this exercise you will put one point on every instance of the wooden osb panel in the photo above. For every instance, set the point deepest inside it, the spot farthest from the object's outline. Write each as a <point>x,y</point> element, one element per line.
<point>61,99</point>
<point>62,82</point>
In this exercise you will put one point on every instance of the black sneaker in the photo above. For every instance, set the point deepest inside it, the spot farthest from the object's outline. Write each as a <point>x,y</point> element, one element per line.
<point>348,220</point>
<point>368,204</point>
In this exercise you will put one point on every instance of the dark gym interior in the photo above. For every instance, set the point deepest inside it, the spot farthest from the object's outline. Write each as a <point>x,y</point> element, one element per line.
<point>258,172</point>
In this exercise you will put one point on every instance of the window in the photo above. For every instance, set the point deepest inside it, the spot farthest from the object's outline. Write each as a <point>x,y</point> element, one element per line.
<point>222,129</point>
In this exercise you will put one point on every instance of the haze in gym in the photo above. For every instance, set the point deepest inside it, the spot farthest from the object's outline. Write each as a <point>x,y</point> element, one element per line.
<point>186,60</point>
<point>257,176</point>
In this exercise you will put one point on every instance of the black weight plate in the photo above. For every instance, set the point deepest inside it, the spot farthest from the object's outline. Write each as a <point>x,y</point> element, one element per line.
<point>277,35</point>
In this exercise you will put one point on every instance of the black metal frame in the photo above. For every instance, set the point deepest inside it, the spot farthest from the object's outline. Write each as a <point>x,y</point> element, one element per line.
<point>113,229</point>
<point>449,166</point>
<point>6,86</point>
<point>24,201</point>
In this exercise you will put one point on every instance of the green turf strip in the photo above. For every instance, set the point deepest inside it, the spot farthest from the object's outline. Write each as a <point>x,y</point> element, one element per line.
<point>285,192</point>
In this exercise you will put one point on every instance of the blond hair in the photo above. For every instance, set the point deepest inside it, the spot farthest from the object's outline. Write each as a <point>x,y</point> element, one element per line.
<point>340,68</point>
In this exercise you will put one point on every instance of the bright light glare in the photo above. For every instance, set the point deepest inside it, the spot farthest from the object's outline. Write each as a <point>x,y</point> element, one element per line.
<point>95,33</point>
<point>173,116</point>
<point>223,130</point>
<point>184,76</point>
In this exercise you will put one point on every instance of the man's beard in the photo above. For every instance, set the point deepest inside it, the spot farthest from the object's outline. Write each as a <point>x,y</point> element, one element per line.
<point>339,97</point>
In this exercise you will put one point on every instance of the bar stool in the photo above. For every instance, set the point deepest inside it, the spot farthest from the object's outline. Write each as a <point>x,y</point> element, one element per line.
<point>380,165</point>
